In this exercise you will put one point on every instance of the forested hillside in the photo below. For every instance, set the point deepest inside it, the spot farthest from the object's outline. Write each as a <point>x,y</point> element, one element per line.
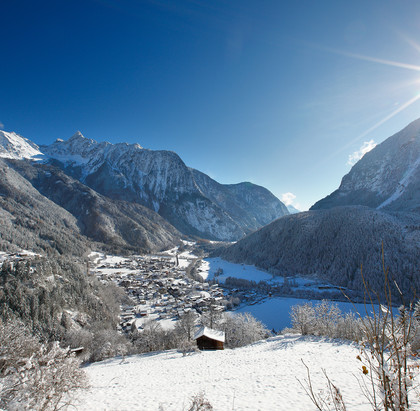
<point>334,244</point>
<point>56,296</point>
<point>44,210</point>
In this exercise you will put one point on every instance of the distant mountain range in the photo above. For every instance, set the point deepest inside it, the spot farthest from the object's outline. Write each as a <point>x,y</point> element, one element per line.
<point>123,195</point>
<point>378,202</point>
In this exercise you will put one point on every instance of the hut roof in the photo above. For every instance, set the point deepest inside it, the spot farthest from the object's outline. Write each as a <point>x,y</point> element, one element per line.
<point>208,332</point>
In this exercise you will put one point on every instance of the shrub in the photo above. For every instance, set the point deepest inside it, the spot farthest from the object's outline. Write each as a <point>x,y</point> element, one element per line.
<point>243,329</point>
<point>326,319</point>
<point>200,403</point>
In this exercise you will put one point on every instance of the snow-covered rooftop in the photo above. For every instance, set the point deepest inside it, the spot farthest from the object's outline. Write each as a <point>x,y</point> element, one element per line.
<point>210,333</point>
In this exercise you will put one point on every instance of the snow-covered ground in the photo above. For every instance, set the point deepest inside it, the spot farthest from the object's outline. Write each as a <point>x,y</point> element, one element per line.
<point>262,376</point>
<point>184,258</point>
<point>209,267</point>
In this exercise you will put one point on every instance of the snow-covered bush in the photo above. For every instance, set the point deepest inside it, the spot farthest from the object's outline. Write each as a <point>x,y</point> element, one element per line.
<point>243,329</point>
<point>326,319</point>
<point>98,344</point>
<point>389,365</point>
<point>387,358</point>
<point>107,344</point>
<point>303,318</point>
<point>416,328</point>
<point>349,327</point>
<point>34,375</point>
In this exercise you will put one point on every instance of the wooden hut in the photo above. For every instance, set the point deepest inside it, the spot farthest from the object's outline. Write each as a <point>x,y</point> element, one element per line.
<point>208,339</point>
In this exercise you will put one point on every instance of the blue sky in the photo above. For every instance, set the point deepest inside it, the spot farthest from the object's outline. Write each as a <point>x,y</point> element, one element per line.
<point>273,92</point>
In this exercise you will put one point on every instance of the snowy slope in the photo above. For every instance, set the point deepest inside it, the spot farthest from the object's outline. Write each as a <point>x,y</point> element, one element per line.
<point>16,147</point>
<point>257,377</point>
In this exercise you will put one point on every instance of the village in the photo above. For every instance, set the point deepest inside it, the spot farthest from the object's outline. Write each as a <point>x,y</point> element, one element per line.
<point>159,289</point>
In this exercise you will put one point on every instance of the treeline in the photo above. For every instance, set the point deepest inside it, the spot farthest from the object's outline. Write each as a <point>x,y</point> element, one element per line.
<point>289,288</point>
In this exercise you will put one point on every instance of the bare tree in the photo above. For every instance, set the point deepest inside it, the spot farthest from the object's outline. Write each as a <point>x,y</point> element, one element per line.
<point>185,325</point>
<point>303,318</point>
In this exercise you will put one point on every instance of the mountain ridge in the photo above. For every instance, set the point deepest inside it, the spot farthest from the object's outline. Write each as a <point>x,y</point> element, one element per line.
<point>386,177</point>
<point>159,180</point>
<point>44,209</point>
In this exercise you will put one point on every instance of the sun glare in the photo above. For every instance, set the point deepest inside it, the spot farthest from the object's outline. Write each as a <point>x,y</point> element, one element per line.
<point>386,62</point>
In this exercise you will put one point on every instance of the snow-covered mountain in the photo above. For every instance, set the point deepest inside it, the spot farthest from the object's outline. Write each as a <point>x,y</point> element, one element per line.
<point>292,209</point>
<point>14,146</point>
<point>159,180</point>
<point>387,177</point>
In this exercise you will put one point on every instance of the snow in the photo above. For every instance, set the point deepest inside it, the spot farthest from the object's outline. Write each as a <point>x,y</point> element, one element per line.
<point>403,183</point>
<point>16,147</point>
<point>262,376</point>
<point>22,253</point>
<point>167,324</point>
<point>3,256</point>
<point>243,271</point>
<point>185,258</point>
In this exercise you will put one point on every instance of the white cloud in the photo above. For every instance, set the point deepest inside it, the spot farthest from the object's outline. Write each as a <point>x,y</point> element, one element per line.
<point>1,125</point>
<point>287,198</point>
<point>357,155</point>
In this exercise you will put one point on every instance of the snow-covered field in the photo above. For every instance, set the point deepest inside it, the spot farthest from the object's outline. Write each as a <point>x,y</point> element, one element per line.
<point>262,376</point>
<point>210,266</point>
<point>243,271</point>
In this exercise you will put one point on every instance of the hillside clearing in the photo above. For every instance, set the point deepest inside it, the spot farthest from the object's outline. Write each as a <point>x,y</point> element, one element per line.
<point>262,376</point>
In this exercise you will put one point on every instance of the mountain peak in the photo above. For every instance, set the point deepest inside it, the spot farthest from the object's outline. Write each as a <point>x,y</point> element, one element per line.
<point>77,135</point>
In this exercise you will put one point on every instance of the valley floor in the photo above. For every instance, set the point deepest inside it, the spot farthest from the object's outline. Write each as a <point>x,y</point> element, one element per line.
<point>262,376</point>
